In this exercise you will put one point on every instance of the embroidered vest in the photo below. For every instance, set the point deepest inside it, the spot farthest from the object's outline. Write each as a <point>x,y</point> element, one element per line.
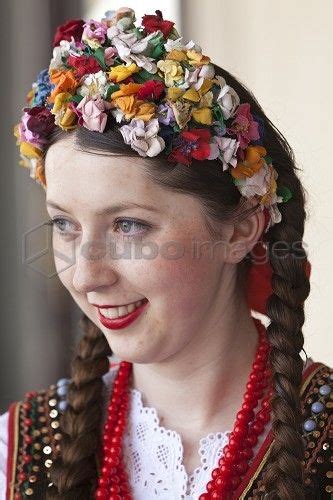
<point>34,433</point>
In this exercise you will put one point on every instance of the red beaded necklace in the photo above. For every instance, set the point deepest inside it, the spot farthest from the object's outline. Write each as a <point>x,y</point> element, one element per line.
<point>113,483</point>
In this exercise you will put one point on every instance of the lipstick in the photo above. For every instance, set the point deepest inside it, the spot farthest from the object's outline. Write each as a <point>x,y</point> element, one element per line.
<point>123,321</point>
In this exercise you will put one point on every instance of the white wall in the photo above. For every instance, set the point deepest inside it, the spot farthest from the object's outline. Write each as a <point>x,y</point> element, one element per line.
<point>95,9</point>
<point>283,51</point>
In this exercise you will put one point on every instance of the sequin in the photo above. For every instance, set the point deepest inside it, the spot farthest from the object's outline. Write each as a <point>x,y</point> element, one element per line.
<point>47,450</point>
<point>53,413</point>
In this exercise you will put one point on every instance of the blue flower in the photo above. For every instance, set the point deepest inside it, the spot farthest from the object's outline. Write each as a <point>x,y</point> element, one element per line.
<point>43,88</point>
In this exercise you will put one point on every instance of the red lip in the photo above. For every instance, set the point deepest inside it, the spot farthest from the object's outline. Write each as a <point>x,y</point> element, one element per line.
<point>118,323</point>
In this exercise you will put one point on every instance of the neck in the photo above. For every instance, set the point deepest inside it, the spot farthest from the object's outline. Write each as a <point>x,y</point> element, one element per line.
<point>203,386</point>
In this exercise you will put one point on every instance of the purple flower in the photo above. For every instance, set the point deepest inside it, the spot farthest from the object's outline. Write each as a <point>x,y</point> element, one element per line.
<point>36,124</point>
<point>165,114</point>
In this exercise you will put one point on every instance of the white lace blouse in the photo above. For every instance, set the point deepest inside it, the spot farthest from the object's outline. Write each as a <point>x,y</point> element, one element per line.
<point>153,454</point>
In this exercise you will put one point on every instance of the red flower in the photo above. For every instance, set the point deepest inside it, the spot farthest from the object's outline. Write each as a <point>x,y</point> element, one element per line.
<point>190,144</point>
<point>66,31</point>
<point>153,89</point>
<point>153,23</point>
<point>83,65</point>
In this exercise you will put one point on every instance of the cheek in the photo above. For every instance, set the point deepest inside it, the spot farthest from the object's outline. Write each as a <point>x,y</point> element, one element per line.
<point>177,277</point>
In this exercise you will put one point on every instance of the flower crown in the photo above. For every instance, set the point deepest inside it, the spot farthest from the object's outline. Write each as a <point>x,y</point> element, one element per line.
<point>163,94</point>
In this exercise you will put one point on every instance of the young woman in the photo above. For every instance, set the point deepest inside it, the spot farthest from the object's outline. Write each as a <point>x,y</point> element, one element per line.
<point>182,204</point>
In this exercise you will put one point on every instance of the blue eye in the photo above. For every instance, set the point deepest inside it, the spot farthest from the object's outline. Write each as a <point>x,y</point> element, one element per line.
<point>58,222</point>
<point>127,223</point>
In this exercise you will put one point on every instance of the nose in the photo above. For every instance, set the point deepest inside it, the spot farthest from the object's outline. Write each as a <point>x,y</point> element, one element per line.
<point>92,268</point>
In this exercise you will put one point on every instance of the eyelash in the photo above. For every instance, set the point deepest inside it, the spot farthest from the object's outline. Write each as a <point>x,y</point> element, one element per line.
<point>145,227</point>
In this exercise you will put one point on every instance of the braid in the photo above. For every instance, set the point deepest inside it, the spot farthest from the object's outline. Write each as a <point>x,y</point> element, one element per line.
<point>74,473</point>
<point>290,286</point>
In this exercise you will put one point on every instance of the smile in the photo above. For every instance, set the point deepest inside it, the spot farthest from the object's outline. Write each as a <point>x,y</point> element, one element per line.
<point>117,312</point>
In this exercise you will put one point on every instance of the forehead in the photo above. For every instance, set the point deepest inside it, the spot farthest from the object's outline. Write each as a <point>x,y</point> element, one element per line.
<point>90,178</point>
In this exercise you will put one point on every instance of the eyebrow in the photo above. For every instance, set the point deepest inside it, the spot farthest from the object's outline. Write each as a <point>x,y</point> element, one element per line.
<point>112,209</point>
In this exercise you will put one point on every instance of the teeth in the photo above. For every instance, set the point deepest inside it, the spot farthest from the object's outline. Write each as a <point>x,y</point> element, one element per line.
<point>116,312</point>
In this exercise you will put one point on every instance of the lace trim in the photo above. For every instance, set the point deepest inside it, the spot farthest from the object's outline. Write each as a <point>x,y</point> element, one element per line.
<point>146,438</point>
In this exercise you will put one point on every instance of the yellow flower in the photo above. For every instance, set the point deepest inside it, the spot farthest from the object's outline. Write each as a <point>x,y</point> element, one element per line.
<point>174,93</point>
<point>145,110</point>
<point>173,72</point>
<point>121,72</point>
<point>177,55</point>
<point>203,115</point>
<point>29,150</point>
<point>196,58</point>
<point>191,95</point>
<point>64,116</point>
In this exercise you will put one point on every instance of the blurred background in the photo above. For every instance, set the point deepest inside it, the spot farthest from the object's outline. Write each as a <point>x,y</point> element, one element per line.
<point>281,50</point>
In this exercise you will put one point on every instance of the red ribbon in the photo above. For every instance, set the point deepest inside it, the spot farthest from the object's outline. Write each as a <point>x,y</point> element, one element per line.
<point>259,278</point>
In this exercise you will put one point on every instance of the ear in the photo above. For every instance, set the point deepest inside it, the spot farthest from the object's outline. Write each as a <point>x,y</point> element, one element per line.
<point>244,236</point>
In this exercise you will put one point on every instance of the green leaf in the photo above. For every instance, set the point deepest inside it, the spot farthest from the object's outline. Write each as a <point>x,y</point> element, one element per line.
<point>110,90</point>
<point>99,56</point>
<point>217,113</point>
<point>144,75</point>
<point>158,51</point>
<point>76,98</point>
<point>285,193</point>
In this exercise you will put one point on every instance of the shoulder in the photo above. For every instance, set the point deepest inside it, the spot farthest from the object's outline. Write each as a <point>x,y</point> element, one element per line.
<point>31,438</point>
<point>30,433</point>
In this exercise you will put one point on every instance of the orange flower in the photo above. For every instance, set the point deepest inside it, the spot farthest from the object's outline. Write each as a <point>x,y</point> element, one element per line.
<point>126,89</point>
<point>196,58</point>
<point>176,55</point>
<point>252,163</point>
<point>134,108</point>
<point>126,104</point>
<point>65,81</point>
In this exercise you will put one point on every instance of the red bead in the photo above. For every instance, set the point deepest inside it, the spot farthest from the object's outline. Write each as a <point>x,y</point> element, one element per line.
<point>210,486</point>
<point>17,496</point>
<point>27,459</point>
<point>28,439</point>
<point>241,467</point>
<point>115,488</point>
<point>257,427</point>
<point>101,493</point>
<point>250,440</point>
<point>114,496</point>
<point>27,406</point>
<point>27,421</point>
<point>204,496</point>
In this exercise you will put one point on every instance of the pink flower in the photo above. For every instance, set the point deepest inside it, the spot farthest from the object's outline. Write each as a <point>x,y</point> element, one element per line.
<point>93,115</point>
<point>94,33</point>
<point>245,128</point>
<point>109,54</point>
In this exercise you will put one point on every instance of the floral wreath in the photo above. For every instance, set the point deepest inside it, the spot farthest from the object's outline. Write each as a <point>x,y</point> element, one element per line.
<point>163,94</point>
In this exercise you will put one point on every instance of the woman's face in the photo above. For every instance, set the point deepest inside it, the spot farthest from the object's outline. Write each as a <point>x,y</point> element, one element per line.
<point>183,282</point>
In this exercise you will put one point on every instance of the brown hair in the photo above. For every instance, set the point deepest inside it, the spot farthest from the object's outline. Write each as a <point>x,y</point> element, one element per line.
<point>74,473</point>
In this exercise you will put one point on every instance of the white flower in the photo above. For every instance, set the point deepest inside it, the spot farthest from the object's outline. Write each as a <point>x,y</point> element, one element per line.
<point>94,85</point>
<point>131,49</point>
<point>178,45</point>
<point>227,98</point>
<point>196,77</point>
<point>225,149</point>
<point>142,136</point>
<point>64,49</point>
